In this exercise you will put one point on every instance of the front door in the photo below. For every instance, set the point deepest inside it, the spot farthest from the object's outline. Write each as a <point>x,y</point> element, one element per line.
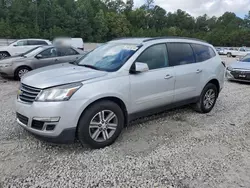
<point>46,58</point>
<point>155,87</point>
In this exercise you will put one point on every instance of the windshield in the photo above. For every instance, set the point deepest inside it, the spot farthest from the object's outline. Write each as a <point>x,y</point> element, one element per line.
<point>108,57</point>
<point>24,54</point>
<point>246,58</point>
<point>33,51</point>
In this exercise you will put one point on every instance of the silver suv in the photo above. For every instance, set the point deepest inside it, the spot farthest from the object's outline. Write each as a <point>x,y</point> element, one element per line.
<point>93,98</point>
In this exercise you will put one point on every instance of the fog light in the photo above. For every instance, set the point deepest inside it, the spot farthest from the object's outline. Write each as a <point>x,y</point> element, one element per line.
<point>50,127</point>
<point>47,119</point>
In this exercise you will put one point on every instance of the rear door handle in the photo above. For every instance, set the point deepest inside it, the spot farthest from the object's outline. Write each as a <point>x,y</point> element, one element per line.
<point>168,76</point>
<point>198,71</point>
<point>56,59</point>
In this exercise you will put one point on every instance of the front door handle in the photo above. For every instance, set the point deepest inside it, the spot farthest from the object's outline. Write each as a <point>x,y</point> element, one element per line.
<point>56,59</point>
<point>198,71</point>
<point>168,76</point>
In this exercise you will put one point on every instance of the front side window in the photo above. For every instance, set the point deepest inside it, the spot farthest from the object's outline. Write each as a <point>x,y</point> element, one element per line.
<point>49,53</point>
<point>108,57</point>
<point>202,52</point>
<point>22,43</point>
<point>180,54</point>
<point>155,57</point>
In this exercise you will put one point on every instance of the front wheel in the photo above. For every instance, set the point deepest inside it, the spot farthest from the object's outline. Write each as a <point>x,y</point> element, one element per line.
<point>207,99</point>
<point>100,125</point>
<point>229,55</point>
<point>20,72</point>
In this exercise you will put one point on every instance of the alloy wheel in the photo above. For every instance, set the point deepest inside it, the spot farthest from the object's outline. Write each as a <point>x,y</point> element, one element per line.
<point>209,98</point>
<point>103,125</point>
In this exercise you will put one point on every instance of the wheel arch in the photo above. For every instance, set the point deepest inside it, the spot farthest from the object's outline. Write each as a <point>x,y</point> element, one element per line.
<point>216,83</point>
<point>114,99</point>
<point>5,52</point>
<point>15,71</point>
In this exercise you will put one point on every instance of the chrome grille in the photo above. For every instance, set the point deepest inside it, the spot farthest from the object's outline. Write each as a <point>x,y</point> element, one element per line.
<point>28,94</point>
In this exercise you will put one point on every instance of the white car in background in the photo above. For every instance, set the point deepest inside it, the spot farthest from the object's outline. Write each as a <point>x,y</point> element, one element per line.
<point>21,46</point>
<point>243,51</point>
<point>71,42</point>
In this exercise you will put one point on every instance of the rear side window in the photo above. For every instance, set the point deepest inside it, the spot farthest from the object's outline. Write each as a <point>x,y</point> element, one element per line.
<point>37,42</point>
<point>180,54</point>
<point>155,56</point>
<point>202,52</point>
<point>66,51</point>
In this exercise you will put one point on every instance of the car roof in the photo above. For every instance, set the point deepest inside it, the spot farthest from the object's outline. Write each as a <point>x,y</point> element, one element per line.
<point>157,39</point>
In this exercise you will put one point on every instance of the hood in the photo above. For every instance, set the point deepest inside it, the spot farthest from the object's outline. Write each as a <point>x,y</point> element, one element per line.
<point>240,65</point>
<point>60,74</point>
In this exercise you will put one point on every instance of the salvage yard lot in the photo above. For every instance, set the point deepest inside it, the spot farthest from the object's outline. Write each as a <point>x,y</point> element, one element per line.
<point>177,148</point>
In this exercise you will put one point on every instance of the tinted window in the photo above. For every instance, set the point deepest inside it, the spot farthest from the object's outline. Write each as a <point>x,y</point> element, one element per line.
<point>155,56</point>
<point>37,42</point>
<point>22,43</point>
<point>242,50</point>
<point>180,54</point>
<point>66,51</point>
<point>202,52</point>
<point>48,53</point>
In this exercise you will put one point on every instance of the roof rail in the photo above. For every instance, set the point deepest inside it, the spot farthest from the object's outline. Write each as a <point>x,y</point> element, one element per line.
<point>130,38</point>
<point>173,37</point>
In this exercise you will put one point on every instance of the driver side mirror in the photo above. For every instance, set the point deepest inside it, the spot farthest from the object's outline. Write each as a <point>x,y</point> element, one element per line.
<point>139,67</point>
<point>15,45</point>
<point>39,56</point>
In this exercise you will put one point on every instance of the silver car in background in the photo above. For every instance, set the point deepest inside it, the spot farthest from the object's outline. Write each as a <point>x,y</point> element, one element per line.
<point>38,57</point>
<point>240,70</point>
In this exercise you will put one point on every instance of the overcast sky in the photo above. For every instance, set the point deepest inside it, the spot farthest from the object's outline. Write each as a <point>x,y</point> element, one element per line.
<point>200,7</point>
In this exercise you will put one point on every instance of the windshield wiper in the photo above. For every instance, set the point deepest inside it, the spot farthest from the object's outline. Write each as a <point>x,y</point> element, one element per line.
<point>89,66</point>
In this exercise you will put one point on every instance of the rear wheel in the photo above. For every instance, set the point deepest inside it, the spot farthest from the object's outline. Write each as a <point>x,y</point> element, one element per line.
<point>4,55</point>
<point>100,124</point>
<point>207,99</point>
<point>20,72</point>
<point>229,54</point>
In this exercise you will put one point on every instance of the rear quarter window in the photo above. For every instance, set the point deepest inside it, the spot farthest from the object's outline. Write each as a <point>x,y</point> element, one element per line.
<point>203,52</point>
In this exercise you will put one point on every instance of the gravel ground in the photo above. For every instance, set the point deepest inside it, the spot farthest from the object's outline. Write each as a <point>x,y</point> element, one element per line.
<point>178,148</point>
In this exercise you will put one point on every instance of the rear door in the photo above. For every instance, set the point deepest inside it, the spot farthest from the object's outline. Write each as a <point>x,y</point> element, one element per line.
<point>187,71</point>
<point>67,54</point>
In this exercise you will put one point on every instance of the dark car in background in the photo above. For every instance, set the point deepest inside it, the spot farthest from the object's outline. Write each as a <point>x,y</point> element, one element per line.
<point>38,57</point>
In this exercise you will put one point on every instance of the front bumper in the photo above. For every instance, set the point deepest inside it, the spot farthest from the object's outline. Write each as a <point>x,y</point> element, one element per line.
<point>67,114</point>
<point>230,77</point>
<point>6,71</point>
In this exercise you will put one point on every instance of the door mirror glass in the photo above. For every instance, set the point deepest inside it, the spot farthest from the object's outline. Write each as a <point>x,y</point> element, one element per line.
<point>140,67</point>
<point>39,56</point>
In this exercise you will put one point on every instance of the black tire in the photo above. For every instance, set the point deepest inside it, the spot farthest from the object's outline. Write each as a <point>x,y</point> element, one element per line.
<point>200,106</point>
<point>18,70</point>
<point>4,55</point>
<point>229,54</point>
<point>83,130</point>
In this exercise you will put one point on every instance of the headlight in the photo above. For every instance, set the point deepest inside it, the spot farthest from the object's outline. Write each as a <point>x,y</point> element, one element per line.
<point>229,68</point>
<point>59,93</point>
